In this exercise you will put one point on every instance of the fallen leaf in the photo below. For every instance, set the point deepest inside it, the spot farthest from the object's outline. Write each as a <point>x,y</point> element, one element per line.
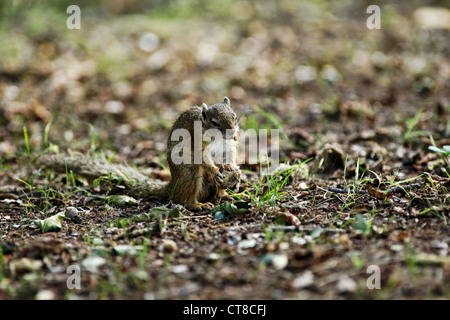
<point>316,232</point>
<point>360,208</point>
<point>401,236</point>
<point>53,223</point>
<point>121,200</point>
<point>377,194</point>
<point>432,259</point>
<point>233,208</point>
<point>287,218</point>
<point>360,224</point>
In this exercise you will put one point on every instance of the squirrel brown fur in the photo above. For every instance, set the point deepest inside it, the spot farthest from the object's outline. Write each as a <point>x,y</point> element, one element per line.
<point>193,184</point>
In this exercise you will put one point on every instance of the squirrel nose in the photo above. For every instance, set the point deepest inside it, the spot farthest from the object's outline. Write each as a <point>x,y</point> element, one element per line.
<point>236,134</point>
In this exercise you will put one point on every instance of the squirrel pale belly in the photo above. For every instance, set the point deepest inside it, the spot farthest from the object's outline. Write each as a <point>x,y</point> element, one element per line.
<point>193,183</point>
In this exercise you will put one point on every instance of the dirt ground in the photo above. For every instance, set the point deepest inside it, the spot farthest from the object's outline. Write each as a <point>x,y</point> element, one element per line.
<point>357,109</point>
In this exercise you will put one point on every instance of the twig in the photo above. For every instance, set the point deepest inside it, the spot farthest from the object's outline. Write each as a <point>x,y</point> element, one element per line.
<point>297,229</point>
<point>154,228</point>
<point>389,191</point>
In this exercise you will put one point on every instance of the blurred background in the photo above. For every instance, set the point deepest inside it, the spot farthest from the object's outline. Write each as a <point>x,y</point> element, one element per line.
<point>311,68</point>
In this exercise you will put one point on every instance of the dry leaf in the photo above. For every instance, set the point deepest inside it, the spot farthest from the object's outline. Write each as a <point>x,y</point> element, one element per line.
<point>287,218</point>
<point>377,194</point>
<point>360,208</point>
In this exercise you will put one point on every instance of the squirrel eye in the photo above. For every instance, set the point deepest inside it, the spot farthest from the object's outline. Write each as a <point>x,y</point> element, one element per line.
<point>214,123</point>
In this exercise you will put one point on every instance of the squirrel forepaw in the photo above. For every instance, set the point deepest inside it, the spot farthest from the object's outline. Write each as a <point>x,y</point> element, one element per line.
<point>218,180</point>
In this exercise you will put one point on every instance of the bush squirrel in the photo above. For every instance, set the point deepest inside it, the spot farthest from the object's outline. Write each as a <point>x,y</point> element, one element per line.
<point>193,184</point>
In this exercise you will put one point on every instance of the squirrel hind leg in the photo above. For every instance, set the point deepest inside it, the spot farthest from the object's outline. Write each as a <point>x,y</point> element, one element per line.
<point>199,206</point>
<point>191,192</point>
<point>208,190</point>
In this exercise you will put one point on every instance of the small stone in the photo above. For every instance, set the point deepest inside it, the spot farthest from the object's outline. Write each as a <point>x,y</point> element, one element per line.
<point>214,256</point>
<point>71,212</point>
<point>298,240</point>
<point>346,284</point>
<point>246,244</point>
<point>179,268</point>
<point>124,249</point>
<point>92,263</point>
<point>170,246</point>
<point>306,279</point>
<point>305,74</point>
<point>271,246</point>
<point>45,295</point>
<point>278,261</point>
<point>219,215</point>
<point>114,107</point>
<point>149,42</point>
<point>330,74</point>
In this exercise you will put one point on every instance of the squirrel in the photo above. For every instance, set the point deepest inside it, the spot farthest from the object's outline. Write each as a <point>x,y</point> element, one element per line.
<point>208,170</point>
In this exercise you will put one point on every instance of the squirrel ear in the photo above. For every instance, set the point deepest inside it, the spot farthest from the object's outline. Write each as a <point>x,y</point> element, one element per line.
<point>226,100</point>
<point>205,108</point>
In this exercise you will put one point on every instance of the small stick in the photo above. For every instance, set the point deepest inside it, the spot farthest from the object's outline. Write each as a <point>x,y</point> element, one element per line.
<point>297,229</point>
<point>389,191</point>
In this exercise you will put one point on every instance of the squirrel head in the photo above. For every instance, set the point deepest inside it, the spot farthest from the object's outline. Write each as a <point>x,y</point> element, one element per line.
<point>220,116</point>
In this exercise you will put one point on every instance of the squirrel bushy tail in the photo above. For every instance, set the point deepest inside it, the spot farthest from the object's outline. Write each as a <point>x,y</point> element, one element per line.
<point>93,168</point>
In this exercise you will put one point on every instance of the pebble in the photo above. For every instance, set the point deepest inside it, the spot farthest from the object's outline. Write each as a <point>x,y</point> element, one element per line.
<point>346,284</point>
<point>92,263</point>
<point>179,268</point>
<point>305,74</point>
<point>45,295</point>
<point>306,279</point>
<point>148,42</point>
<point>71,212</point>
<point>169,246</point>
<point>219,215</point>
<point>278,261</point>
<point>246,244</point>
<point>124,249</point>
